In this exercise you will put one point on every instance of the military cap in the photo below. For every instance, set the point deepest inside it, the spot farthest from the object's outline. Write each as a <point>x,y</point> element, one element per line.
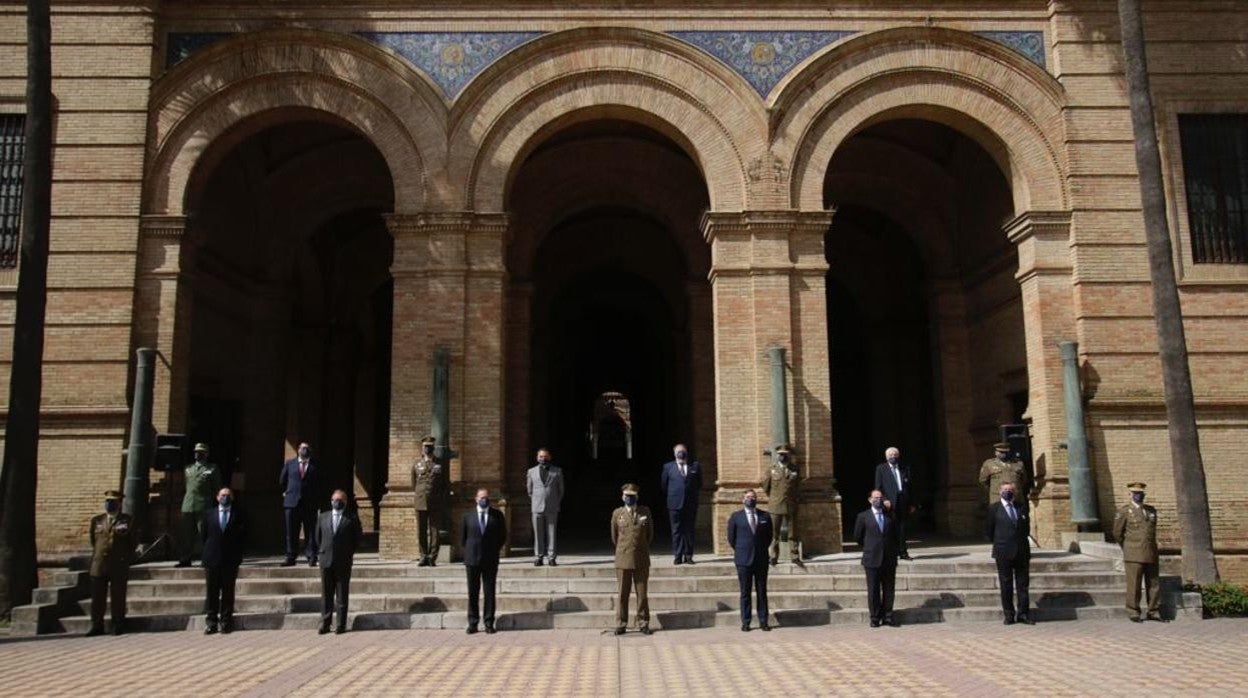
<point>783,448</point>
<point>428,440</point>
<point>630,488</point>
<point>113,494</point>
<point>201,446</point>
<point>1002,446</point>
<point>1136,486</point>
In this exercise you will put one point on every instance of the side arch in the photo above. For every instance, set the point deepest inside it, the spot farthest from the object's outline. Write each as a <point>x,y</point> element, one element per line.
<point>997,98</point>
<point>342,76</point>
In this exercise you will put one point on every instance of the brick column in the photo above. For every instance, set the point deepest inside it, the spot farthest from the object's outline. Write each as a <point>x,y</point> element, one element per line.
<point>1044,275</point>
<point>767,278</point>
<point>518,400</point>
<point>449,285</point>
<point>958,511</point>
<point>702,387</point>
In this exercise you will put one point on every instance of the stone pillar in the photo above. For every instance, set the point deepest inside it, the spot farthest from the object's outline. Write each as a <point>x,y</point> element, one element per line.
<point>1044,275</point>
<point>768,274</point>
<point>449,284</point>
<point>958,511</point>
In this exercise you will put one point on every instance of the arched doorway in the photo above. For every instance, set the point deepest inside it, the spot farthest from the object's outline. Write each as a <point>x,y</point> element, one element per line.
<point>608,297</point>
<point>925,317</point>
<point>288,262</point>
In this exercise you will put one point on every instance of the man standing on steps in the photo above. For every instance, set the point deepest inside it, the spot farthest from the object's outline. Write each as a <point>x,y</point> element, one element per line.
<point>876,532</point>
<point>682,483</point>
<point>113,539</point>
<point>429,495</point>
<point>1135,529</point>
<point>545,486</point>
<point>338,534</point>
<point>1008,529</point>
<point>482,534</point>
<point>750,532</point>
<point>202,479</point>
<point>780,482</point>
<point>225,529</point>
<point>632,529</point>
<point>299,480</point>
<point>892,478</point>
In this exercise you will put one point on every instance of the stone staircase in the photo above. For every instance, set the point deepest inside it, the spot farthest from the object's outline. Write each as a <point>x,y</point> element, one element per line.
<point>954,584</point>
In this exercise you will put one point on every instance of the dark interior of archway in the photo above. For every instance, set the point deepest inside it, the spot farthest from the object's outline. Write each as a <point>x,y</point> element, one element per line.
<point>917,204</point>
<point>288,265</point>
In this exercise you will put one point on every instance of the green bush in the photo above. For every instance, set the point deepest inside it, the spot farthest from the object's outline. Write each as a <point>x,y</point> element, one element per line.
<point>1225,599</point>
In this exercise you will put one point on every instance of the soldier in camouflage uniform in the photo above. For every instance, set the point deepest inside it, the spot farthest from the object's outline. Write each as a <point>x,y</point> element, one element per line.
<point>632,529</point>
<point>113,537</point>
<point>782,485</point>
<point>1135,529</point>
<point>429,494</point>
<point>1003,468</point>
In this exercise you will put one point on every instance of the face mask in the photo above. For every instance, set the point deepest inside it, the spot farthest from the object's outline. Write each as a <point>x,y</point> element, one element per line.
<point>483,503</point>
<point>303,453</point>
<point>111,505</point>
<point>877,503</point>
<point>892,460</point>
<point>224,500</point>
<point>200,456</point>
<point>1002,455</point>
<point>1137,497</point>
<point>428,450</point>
<point>681,455</point>
<point>750,503</point>
<point>783,458</point>
<point>630,500</point>
<point>339,504</point>
<point>543,461</point>
<point>1007,496</point>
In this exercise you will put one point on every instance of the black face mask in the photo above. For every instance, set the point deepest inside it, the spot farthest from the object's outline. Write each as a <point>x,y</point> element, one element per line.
<point>339,504</point>
<point>304,453</point>
<point>224,500</point>
<point>428,450</point>
<point>200,456</point>
<point>1137,497</point>
<point>630,499</point>
<point>112,506</point>
<point>751,503</point>
<point>483,503</point>
<point>1007,496</point>
<point>681,455</point>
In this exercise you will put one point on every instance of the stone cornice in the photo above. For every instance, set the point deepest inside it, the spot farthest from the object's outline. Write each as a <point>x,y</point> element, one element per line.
<point>787,222</point>
<point>162,226</point>
<point>436,222</point>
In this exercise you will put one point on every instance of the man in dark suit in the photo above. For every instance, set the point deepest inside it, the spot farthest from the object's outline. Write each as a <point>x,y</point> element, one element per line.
<point>482,535</point>
<point>338,534</point>
<point>224,531</point>
<point>299,481</point>
<point>876,532</point>
<point>749,535</point>
<point>892,478</point>
<point>682,482</point>
<point>1008,529</point>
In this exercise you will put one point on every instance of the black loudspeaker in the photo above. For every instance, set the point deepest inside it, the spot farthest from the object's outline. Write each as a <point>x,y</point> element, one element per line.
<point>173,451</point>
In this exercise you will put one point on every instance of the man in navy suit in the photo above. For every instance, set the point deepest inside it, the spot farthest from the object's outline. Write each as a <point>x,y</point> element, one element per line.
<point>892,478</point>
<point>483,532</point>
<point>1008,528</point>
<point>681,482</point>
<point>223,532</point>
<point>338,534</point>
<point>876,532</point>
<point>749,535</point>
<point>299,481</point>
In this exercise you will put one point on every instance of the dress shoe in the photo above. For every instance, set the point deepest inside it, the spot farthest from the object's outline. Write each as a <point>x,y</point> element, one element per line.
<point>875,623</point>
<point>619,631</point>
<point>95,631</point>
<point>1156,618</point>
<point>688,559</point>
<point>891,622</point>
<point>1009,620</point>
<point>340,630</point>
<point>312,562</point>
<point>1136,619</point>
<point>433,563</point>
<point>905,556</point>
<point>678,560</point>
<point>745,627</point>
<point>764,627</point>
<point>424,562</point>
<point>183,563</point>
<point>227,628</point>
<point>471,630</point>
<point>210,630</point>
<point>1025,619</point>
<point>288,562</point>
<point>489,629</point>
<point>119,627</point>
<point>553,562</point>
<point>645,630</point>
<point>773,562</point>
<point>323,631</point>
<point>537,562</point>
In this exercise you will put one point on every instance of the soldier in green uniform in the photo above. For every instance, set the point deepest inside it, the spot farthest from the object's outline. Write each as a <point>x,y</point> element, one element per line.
<point>781,484</point>
<point>632,529</point>
<point>203,479</point>
<point>1002,468</point>
<point>112,548</point>
<point>429,493</point>
<point>1135,529</point>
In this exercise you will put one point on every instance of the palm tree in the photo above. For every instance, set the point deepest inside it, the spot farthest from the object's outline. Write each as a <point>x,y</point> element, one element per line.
<point>19,473</point>
<point>1199,565</point>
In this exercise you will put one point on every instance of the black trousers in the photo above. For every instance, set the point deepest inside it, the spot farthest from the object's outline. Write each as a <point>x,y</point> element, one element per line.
<point>1014,574</point>
<point>901,512</point>
<point>219,606</point>
<point>881,583</point>
<point>683,521</point>
<point>753,577</point>
<point>335,590</point>
<point>100,588</point>
<point>302,516</point>
<point>478,576</point>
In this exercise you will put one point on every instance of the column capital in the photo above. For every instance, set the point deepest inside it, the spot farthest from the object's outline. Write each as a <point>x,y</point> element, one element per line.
<point>436,222</point>
<point>766,242</point>
<point>448,242</point>
<point>715,224</point>
<point>162,226</point>
<point>1043,242</point>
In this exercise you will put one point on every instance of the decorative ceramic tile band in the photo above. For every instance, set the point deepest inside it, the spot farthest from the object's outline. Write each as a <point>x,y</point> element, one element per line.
<point>1029,44</point>
<point>450,59</point>
<point>763,58</point>
<point>181,46</point>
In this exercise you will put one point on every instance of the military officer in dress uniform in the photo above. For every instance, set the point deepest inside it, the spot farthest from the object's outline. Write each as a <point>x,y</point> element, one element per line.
<point>632,529</point>
<point>1003,468</point>
<point>1135,529</point>
<point>429,493</point>
<point>112,548</point>
<point>203,479</point>
<point>781,484</point>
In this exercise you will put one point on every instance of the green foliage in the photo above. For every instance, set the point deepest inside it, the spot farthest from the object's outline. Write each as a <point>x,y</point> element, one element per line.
<point>1225,599</point>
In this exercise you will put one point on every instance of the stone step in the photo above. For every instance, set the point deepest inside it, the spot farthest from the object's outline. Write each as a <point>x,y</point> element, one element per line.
<point>535,620</point>
<point>371,603</point>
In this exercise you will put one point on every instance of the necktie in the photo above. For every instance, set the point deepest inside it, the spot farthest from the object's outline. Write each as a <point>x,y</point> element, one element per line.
<point>337,518</point>
<point>682,470</point>
<point>225,518</point>
<point>482,517</point>
<point>303,469</point>
<point>879,520</point>
<point>1010,508</point>
<point>897,476</point>
<point>753,523</point>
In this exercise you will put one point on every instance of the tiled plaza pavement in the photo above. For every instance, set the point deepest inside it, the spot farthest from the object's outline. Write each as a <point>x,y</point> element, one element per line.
<point>1053,659</point>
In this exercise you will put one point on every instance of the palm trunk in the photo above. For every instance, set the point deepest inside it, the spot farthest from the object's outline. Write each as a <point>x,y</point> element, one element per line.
<point>1199,565</point>
<point>19,476</point>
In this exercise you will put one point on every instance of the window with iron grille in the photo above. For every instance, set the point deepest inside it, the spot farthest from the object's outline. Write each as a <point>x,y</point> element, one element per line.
<point>12,143</point>
<point>1215,169</point>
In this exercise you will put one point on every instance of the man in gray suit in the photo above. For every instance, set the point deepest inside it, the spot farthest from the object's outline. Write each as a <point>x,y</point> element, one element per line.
<point>545,486</point>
